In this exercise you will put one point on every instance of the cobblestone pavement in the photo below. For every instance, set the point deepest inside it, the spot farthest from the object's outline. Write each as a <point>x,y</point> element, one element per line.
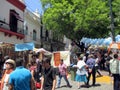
<point>102,83</point>
<point>99,86</point>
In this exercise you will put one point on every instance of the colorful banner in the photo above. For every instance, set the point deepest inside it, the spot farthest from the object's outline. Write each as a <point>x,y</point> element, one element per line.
<point>24,46</point>
<point>57,59</point>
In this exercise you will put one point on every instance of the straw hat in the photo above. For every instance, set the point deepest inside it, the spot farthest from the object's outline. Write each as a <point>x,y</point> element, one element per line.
<point>10,61</point>
<point>90,56</point>
<point>81,56</point>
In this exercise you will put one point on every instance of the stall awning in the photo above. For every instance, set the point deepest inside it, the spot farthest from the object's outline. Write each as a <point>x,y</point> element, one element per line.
<point>24,46</point>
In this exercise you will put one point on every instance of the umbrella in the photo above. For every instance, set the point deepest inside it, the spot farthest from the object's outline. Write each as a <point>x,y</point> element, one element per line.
<point>115,45</point>
<point>43,51</point>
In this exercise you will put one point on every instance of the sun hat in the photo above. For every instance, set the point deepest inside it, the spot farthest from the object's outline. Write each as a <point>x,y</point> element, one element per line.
<point>6,57</point>
<point>10,61</point>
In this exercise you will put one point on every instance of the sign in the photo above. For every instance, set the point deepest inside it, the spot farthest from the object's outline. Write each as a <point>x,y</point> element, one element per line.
<point>57,59</point>
<point>24,46</point>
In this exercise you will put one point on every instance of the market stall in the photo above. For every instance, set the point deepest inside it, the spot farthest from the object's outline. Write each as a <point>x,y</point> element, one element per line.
<point>42,52</point>
<point>57,56</point>
<point>6,49</point>
<point>114,47</point>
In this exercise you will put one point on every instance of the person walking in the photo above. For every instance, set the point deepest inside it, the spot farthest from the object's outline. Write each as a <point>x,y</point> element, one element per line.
<point>4,65</point>
<point>114,68</point>
<point>48,79</point>
<point>91,69</point>
<point>62,73</point>
<point>97,65</point>
<point>33,70</point>
<point>9,67</point>
<point>21,78</point>
<point>81,73</point>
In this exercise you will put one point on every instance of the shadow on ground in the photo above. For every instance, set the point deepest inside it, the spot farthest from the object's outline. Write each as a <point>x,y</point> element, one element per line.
<point>88,86</point>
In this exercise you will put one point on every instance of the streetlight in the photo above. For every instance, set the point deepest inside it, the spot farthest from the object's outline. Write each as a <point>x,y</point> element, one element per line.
<point>112,21</point>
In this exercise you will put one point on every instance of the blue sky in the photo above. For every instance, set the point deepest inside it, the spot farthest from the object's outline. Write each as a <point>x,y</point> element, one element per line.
<point>32,5</point>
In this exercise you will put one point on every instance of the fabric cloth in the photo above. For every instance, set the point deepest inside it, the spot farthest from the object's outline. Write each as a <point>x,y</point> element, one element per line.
<point>93,72</point>
<point>96,61</point>
<point>62,69</point>
<point>49,75</point>
<point>5,87</point>
<point>81,78</point>
<point>4,67</point>
<point>20,78</point>
<point>33,68</point>
<point>24,46</point>
<point>62,73</point>
<point>114,66</point>
<point>81,68</point>
<point>4,80</point>
<point>91,66</point>
<point>81,72</point>
<point>116,82</point>
<point>91,63</point>
<point>65,78</point>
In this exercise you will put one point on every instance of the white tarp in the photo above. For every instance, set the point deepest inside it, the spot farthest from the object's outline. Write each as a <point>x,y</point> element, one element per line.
<point>57,56</point>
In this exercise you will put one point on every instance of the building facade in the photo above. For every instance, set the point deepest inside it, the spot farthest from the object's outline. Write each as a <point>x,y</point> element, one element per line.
<point>11,21</point>
<point>32,27</point>
<point>18,25</point>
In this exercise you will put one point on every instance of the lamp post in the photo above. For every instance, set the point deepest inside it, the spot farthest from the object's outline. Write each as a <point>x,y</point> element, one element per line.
<point>112,21</point>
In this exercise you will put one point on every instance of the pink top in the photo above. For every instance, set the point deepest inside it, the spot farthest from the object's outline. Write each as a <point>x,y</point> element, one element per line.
<point>119,58</point>
<point>62,69</point>
<point>32,68</point>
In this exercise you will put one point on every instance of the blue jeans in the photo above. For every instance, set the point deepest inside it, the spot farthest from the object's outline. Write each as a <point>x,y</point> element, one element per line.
<point>116,81</point>
<point>65,78</point>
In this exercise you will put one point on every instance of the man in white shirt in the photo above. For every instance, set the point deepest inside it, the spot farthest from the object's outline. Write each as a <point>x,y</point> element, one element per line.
<point>114,68</point>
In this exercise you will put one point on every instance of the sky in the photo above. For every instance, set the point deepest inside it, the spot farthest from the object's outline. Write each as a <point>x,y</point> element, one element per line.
<point>32,5</point>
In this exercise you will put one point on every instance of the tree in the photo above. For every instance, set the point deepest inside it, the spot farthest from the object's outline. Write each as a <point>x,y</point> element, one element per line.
<point>116,15</point>
<point>78,18</point>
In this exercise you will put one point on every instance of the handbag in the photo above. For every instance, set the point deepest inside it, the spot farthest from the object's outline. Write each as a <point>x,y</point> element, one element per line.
<point>38,85</point>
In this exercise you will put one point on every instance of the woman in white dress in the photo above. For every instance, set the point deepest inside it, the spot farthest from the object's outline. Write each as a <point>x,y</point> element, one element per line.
<point>81,73</point>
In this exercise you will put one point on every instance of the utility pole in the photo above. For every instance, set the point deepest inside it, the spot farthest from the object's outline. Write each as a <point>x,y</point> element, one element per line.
<point>112,21</point>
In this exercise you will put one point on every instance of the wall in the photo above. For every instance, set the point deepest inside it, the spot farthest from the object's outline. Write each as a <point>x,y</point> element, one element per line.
<point>7,39</point>
<point>33,23</point>
<point>5,9</point>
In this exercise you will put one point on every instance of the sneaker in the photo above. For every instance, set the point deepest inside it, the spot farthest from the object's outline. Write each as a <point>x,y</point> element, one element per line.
<point>58,86</point>
<point>69,86</point>
<point>87,86</point>
<point>93,85</point>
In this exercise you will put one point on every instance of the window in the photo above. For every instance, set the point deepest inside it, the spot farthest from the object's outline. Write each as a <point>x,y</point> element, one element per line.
<point>26,30</point>
<point>34,35</point>
<point>13,21</point>
<point>46,35</point>
<point>41,32</point>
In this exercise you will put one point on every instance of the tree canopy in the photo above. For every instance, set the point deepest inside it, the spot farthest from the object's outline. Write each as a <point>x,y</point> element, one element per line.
<point>80,18</point>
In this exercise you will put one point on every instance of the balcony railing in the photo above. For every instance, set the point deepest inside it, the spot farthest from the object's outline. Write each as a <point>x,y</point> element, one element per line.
<point>6,26</point>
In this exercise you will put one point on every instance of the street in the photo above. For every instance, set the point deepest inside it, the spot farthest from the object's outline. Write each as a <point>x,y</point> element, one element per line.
<point>102,83</point>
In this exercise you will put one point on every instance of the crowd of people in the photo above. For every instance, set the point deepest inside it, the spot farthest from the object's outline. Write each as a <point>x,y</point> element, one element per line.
<point>16,76</point>
<point>92,62</point>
